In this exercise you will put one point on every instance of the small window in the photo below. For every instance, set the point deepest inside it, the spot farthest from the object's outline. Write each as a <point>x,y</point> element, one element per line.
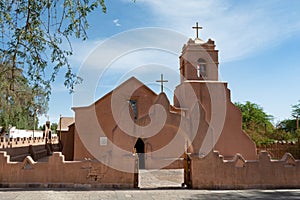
<point>201,68</point>
<point>133,105</point>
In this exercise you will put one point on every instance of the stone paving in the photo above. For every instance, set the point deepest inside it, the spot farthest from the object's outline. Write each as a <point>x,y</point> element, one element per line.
<point>154,185</point>
<point>171,178</point>
<point>148,194</point>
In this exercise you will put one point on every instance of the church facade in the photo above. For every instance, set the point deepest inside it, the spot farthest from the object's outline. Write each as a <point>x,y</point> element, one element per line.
<point>134,119</point>
<point>132,127</point>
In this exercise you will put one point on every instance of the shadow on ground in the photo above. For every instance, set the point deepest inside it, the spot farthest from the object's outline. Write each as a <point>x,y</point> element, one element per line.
<point>247,194</point>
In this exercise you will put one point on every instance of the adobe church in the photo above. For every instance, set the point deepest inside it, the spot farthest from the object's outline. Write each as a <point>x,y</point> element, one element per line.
<point>134,119</point>
<point>132,128</point>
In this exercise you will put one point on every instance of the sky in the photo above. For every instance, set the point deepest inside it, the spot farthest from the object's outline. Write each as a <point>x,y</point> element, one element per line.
<point>258,43</point>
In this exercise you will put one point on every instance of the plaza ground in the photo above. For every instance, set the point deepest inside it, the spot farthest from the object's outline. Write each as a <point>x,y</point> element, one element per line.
<point>145,194</point>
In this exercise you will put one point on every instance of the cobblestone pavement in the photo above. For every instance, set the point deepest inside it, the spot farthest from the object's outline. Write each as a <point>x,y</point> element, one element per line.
<point>154,185</point>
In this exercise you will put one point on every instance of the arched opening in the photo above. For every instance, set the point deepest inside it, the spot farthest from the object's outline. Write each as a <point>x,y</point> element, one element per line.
<point>140,150</point>
<point>201,68</point>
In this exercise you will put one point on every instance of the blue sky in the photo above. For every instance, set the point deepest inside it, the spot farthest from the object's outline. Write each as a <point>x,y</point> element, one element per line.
<point>258,43</point>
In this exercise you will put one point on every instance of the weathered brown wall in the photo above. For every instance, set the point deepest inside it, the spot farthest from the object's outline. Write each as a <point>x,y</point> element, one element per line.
<point>23,142</point>
<point>190,55</point>
<point>224,119</point>
<point>67,140</point>
<point>164,148</point>
<point>80,151</point>
<point>19,148</point>
<point>60,173</point>
<point>97,120</point>
<point>277,150</point>
<point>213,172</point>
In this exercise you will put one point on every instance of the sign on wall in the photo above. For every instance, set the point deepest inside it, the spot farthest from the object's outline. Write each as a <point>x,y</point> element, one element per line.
<point>103,141</point>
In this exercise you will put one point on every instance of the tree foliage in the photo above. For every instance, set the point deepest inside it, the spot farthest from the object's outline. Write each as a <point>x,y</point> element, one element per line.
<point>296,110</point>
<point>287,125</point>
<point>290,125</point>
<point>19,107</point>
<point>33,50</point>
<point>254,117</point>
<point>54,127</point>
<point>256,123</point>
<point>32,34</point>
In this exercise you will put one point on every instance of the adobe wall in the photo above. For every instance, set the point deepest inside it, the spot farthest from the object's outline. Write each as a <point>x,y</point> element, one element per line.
<point>23,142</point>
<point>279,148</point>
<point>97,120</point>
<point>80,151</point>
<point>18,154</point>
<point>60,173</point>
<point>118,100</point>
<point>163,146</point>
<point>67,140</point>
<point>19,148</point>
<point>223,118</point>
<point>191,52</point>
<point>213,172</point>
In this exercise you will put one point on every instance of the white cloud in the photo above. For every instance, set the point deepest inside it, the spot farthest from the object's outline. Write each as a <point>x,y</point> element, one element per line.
<point>100,54</point>
<point>116,22</point>
<point>239,28</point>
<point>81,50</point>
<point>128,54</point>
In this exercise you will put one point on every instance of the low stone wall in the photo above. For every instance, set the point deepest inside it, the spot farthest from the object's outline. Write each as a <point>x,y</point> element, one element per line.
<point>164,163</point>
<point>176,164</point>
<point>21,142</point>
<point>213,172</point>
<point>279,148</point>
<point>37,151</point>
<point>60,173</point>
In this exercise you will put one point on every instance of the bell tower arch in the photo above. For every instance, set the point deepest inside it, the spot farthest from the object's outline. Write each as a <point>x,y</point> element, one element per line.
<point>199,60</point>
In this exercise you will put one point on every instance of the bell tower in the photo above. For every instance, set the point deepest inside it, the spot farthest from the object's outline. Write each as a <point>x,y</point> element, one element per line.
<point>205,102</point>
<point>199,60</point>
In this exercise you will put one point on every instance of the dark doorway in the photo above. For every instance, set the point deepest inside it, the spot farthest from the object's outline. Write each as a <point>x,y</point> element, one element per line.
<point>140,150</point>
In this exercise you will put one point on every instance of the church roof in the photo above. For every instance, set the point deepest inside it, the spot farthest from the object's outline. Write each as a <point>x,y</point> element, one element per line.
<point>128,81</point>
<point>163,100</point>
<point>65,122</point>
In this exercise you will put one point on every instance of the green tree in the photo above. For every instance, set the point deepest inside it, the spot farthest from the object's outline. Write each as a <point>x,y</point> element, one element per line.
<point>254,117</point>
<point>296,113</point>
<point>256,123</point>
<point>32,34</point>
<point>296,110</point>
<point>54,127</point>
<point>21,105</point>
<point>287,125</point>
